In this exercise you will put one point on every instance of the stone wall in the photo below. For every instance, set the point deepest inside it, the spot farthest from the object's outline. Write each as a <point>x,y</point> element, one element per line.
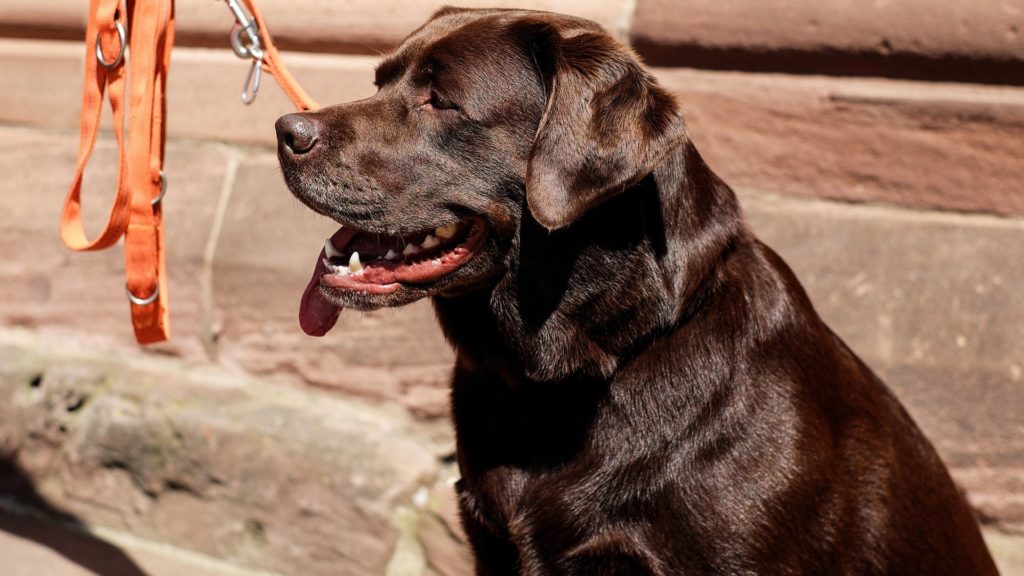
<point>879,150</point>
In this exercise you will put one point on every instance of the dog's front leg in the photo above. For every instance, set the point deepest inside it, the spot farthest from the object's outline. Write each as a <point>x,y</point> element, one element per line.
<point>495,554</point>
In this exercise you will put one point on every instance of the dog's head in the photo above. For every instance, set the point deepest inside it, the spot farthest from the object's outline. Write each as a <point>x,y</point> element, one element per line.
<point>483,120</point>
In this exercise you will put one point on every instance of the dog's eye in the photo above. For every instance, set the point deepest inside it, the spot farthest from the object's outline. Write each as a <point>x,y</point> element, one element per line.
<point>436,102</point>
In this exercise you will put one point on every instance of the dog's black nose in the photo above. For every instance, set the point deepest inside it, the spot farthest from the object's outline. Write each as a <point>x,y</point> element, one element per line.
<point>297,132</point>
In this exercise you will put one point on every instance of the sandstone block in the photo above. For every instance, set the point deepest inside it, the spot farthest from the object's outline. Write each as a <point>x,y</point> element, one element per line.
<point>360,26</point>
<point>963,40</point>
<point>941,146</point>
<point>922,145</point>
<point>931,302</point>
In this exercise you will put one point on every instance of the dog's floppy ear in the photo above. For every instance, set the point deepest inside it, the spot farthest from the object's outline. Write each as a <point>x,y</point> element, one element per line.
<point>606,123</point>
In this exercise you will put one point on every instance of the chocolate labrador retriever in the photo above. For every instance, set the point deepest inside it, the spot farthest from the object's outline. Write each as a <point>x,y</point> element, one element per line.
<point>641,386</point>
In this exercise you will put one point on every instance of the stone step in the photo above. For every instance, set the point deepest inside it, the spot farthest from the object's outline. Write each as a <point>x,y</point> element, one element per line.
<point>211,460</point>
<point>931,145</point>
<point>966,40</point>
<point>32,547</point>
<point>153,466</point>
<point>927,300</point>
<point>959,40</point>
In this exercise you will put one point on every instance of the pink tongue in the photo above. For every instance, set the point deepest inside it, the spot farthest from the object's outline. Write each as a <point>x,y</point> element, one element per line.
<point>316,315</point>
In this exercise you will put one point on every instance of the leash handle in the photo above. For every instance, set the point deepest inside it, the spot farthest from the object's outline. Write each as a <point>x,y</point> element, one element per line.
<point>105,32</point>
<point>146,29</point>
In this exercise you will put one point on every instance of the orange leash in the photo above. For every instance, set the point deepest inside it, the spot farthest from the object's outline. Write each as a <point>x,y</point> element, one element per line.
<point>145,30</point>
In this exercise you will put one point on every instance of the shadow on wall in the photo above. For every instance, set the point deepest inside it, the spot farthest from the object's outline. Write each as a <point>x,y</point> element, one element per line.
<point>56,529</point>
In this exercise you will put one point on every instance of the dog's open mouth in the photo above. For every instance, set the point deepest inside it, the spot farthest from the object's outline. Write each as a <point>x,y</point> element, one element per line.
<point>373,263</point>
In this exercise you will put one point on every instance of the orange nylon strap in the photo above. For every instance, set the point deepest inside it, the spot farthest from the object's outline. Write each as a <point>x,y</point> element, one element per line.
<point>273,65</point>
<point>136,214</point>
<point>102,31</point>
<point>146,29</point>
<point>152,34</point>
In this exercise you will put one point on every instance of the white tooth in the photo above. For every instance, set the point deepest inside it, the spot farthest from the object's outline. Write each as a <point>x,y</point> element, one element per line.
<point>409,250</point>
<point>354,265</point>
<point>436,261</point>
<point>335,269</point>
<point>391,255</point>
<point>448,231</point>
<point>330,250</point>
<point>429,242</point>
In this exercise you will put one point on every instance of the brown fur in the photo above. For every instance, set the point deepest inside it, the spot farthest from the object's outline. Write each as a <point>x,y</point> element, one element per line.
<point>641,386</point>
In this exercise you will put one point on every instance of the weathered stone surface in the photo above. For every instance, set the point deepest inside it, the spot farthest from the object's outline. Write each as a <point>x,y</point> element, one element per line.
<point>268,248</point>
<point>964,40</point>
<point>440,532</point>
<point>217,462</point>
<point>46,286</point>
<point>931,302</point>
<point>944,146</point>
<point>33,547</point>
<point>362,26</point>
<point>1008,552</point>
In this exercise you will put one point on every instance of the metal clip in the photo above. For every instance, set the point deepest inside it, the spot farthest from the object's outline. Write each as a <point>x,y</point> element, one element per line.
<point>252,82</point>
<point>245,42</point>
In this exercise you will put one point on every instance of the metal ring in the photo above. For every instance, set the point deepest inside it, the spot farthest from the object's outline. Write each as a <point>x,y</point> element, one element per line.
<point>163,190</point>
<point>143,301</point>
<point>243,49</point>
<point>120,53</point>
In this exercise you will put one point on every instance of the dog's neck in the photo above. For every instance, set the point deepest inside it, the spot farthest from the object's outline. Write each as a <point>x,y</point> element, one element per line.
<point>552,315</point>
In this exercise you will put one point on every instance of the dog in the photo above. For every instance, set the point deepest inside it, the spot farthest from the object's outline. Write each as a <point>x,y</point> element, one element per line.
<point>640,386</point>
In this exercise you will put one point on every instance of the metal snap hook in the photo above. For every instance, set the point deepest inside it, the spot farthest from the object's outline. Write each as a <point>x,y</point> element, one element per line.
<point>163,190</point>
<point>252,82</point>
<point>142,301</point>
<point>245,41</point>
<point>123,37</point>
<point>249,46</point>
